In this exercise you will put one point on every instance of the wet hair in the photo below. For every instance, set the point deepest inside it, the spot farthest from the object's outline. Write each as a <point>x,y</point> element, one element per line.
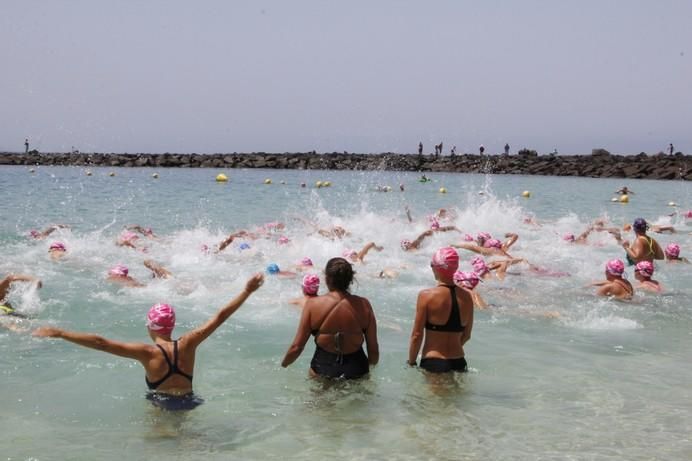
<point>339,274</point>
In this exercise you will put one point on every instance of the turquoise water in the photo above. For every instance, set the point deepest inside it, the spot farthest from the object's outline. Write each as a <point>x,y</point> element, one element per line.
<point>602,380</point>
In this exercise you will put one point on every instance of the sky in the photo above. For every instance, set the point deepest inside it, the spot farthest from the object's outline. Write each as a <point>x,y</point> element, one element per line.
<point>357,76</point>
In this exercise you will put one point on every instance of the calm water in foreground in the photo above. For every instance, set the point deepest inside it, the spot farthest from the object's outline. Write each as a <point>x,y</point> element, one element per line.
<point>602,380</point>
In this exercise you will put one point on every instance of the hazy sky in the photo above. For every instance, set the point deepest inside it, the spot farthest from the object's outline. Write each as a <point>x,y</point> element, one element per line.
<point>361,76</point>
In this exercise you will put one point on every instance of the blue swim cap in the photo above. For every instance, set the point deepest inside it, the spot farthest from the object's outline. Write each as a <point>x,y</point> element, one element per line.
<point>244,246</point>
<point>273,268</point>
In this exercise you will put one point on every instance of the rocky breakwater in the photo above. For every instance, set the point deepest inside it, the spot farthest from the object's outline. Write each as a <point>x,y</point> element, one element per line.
<point>599,164</point>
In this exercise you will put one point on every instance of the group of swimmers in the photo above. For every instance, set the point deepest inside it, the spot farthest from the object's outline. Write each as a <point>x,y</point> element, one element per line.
<point>341,322</point>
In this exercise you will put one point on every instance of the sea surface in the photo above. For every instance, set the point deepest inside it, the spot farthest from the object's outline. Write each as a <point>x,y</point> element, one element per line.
<point>555,372</point>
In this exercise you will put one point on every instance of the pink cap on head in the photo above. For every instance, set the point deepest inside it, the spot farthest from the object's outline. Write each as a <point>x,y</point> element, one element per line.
<point>468,238</point>
<point>467,280</point>
<point>673,250</point>
<point>161,319</point>
<point>645,268</point>
<point>479,265</point>
<point>204,248</point>
<point>283,240</point>
<point>311,284</point>
<point>569,237</point>
<point>350,254</point>
<point>615,267</point>
<point>446,260</point>
<point>492,243</point>
<point>434,223</point>
<point>688,214</point>
<point>34,233</point>
<point>119,270</point>
<point>128,235</point>
<point>405,244</point>
<point>483,236</point>
<point>306,261</point>
<point>148,231</point>
<point>57,246</point>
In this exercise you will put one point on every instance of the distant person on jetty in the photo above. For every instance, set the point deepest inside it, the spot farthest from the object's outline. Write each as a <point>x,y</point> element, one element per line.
<point>420,148</point>
<point>5,285</point>
<point>26,146</point>
<point>340,322</point>
<point>310,286</point>
<point>453,151</point>
<point>615,285</point>
<point>169,364</point>
<point>481,149</point>
<point>671,149</point>
<point>643,272</point>
<point>644,248</point>
<point>444,319</point>
<point>673,254</point>
<point>507,149</point>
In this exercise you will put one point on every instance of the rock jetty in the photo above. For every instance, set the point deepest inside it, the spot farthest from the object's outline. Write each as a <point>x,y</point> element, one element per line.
<point>600,164</point>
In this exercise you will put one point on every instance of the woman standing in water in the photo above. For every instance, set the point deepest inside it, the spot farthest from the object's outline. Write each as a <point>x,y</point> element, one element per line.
<point>340,323</point>
<point>168,363</point>
<point>444,319</point>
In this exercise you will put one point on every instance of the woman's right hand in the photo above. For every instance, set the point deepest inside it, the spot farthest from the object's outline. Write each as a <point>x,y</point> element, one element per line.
<point>254,282</point>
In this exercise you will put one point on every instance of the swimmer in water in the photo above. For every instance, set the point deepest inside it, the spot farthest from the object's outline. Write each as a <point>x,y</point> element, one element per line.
<point>305,264</point>
<point>359,257</point>
<point>5,285</point>
<point>490,247</point>
<point>615,285</point>
<point>120,274</point>
<point>157,270</point>
<point>336,232</point>
<point>468,281</point>
<point>673,254</point>
<point>340,322</point>
<point>38,235</point>
<point>228,240</point>
<point>643,272</point>
<point>625,191</point>
<point>57,250</point>
<point>408,245</point>
<point>497,268</point>
<point>145,231</point>
<point>273,269</point>
<point>168,364</point>
<point>444,319</point>
<point>310,286</point>
<point>127,238</point>
<point>644,248</point>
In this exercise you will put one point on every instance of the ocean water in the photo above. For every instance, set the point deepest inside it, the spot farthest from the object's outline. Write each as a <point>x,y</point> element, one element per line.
<point>555,372</point>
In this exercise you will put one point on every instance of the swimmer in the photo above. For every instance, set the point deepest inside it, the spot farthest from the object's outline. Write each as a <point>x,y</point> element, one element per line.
<point>340,322</point>
<point>305,264</point>
<point>283,240</point>
<point>38,235</point>
<point>359,256</point>
<point>615,285</point>
<point>310,287</point>
<point>663,229</point>
<point>273,269</point>
<point>444,319</point>
<point>673,254</point>
<point>408,245</point>
<point>168,364</point>
<point>145,231</point>
<point>644,248</point>
<point>157,270</point>
<point>643,272</point>
<point>491,247</point>
<point>579,240</point>
<point>624,191</point>
<point>336,232</point>
<point>127,238</point>
<point>387,273</point>
<point>57,250</point>
<point>497,268</point>
<point>5,285</point>
<point>120,274</point>
<point>228,240</point>
<point>468,281</point>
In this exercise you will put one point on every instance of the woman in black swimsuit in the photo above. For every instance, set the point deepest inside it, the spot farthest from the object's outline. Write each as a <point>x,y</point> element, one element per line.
<point>168,363</point>
<point>444,319</point>
<point>340,323</point>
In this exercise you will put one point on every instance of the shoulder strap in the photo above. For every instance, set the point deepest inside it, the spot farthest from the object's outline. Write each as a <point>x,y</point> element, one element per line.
<point>165,356</point>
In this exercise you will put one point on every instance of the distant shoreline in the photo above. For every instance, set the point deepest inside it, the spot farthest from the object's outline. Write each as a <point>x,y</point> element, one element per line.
<point>599,164</point>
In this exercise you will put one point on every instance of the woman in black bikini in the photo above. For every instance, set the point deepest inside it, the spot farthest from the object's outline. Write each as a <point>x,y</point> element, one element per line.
<point>340,323</point>
<point>444,319</point>
<point>168,363</point>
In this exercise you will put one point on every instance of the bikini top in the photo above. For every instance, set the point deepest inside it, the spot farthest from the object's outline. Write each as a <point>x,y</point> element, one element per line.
<point>172,368</point>
<point>453,322</point>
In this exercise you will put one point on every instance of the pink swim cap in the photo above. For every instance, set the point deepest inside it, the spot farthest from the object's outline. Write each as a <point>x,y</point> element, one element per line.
<point>405,244</point>
<point>34,233</point>
<point>467,280</point>
<point>569,237</point>
<point>468,238</point>
<point>283,240</point>
<point>446,260</point>
<point>128,235</point>
<point>350,254</point>
<point>483,236</point>
<point>479,265</point>
<point>161,319</point>
<point>645,268</point>
<point>615,267</point>
<point>434,223</point>
<point>59,246</point>
<point>673,250</point>
<point>688,214</point>
<point>306,261</point>
<point>311,284</point>
<point>204,248</point>
<point>492,243</point>
<point>119,270</point>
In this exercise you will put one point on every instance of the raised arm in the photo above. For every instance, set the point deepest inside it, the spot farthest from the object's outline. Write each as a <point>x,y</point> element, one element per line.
<point>416,243</point>
<point>418,330</point>
<point>302,336</point>
<point>511,240</point>
<point>157,269</point>
<point>368,246</point>
<point>468,246</point>
<point>137,351</point>
<point>199,334</point>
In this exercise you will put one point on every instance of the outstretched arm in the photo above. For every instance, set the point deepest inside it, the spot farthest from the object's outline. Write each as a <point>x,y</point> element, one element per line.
<point>302,336</point>
<point>137,351</point>
<point>199,334</point>
<point>419,240</point>
<point>511,240</point>
<point>468,246</point>
<point>368,246</point>
<point>228,240</point>
<point>157,269</point>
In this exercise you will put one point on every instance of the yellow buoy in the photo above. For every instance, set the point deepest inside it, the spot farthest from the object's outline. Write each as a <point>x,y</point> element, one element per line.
<point>526,194</point>
<point>111,173</point>
<point>221,177</point>
<point>443,190</point>
<point>326,183</point>
<point>624,198</point>
<point>267,181</point>
<point>318,184</point>
<point>155,176</point>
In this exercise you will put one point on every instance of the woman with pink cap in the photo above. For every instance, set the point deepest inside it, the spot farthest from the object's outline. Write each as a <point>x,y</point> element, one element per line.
<point>120,274</point>
<point>168,364</point>
<point>615,285</point>
<point>310,286</point>
<point>487,246</point>
<point>468,281</point>
<point>643,272</point>
<point>57,250</point>
<point>672,252</point>
<point>444,319</point>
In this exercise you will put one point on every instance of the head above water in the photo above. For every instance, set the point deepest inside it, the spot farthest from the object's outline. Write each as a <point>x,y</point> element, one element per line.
<point>445,262</point>
<point>479,266</point>
<point>405,244</point>
<point>161,319</point>
<point>569,237</point>
<point>119,270</point>
<point>640,226</point>
<point>481,237</point>
<point>615,267</point>
<point>672,250</point>
<point>273,269</point>
<point>57,246</point>
<point>493,243</point>
<point>644,268</point>
<point>350,254</point>
<point>306,262</point>
<point>339,274</point>
<point>311,284</point>
<point>467,280</point>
